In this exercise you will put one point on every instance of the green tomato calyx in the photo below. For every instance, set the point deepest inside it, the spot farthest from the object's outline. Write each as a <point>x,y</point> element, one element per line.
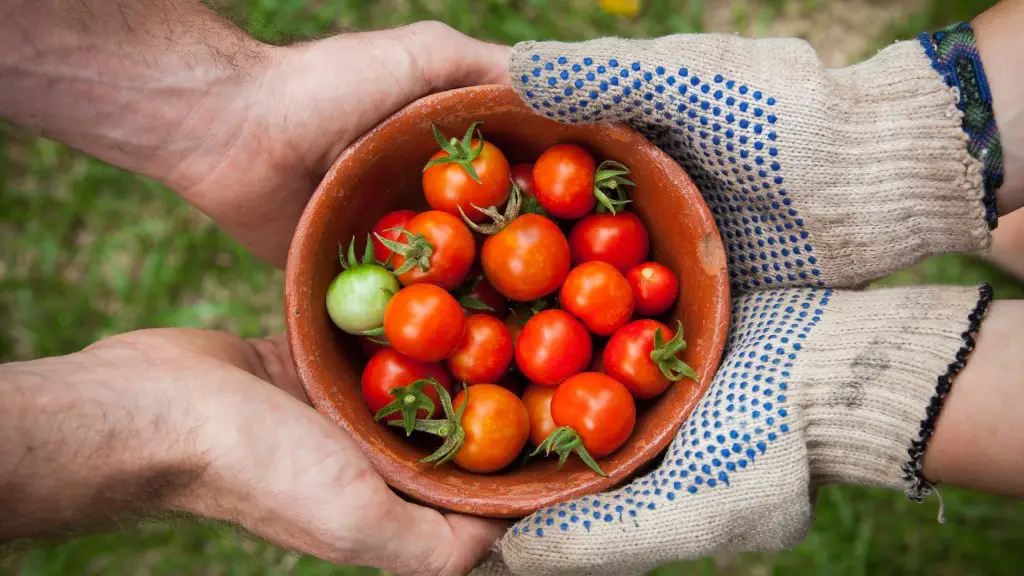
<point>459,152</point>
<point>408,400</point>
<point>610,180</point>
<point>666,355</point>
<point>563,441</point>
<point>417,250</point>
<point>498,220</point>
<point>348,260</point>
<point>449,428</point>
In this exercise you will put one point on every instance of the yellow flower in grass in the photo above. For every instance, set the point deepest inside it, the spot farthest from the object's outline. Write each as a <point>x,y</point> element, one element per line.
<point>620,7</point>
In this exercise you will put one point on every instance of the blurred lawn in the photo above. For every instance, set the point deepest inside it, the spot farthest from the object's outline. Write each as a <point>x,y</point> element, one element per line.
<point>88,251</point>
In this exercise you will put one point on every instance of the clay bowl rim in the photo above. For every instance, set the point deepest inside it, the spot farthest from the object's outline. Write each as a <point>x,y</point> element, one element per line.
<point>301,333</point>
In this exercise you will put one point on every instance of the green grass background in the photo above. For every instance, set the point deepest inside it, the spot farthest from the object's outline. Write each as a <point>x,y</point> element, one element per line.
<point>89,251</point>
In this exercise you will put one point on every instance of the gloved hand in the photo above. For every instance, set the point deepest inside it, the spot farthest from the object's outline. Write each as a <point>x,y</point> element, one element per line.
<point>817,178</point>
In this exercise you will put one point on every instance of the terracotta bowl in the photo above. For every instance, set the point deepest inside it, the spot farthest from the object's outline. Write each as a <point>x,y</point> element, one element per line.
<point>380,173</point>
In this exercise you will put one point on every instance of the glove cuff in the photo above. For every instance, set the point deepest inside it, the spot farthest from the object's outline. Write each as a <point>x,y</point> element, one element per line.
<point>875,383</point>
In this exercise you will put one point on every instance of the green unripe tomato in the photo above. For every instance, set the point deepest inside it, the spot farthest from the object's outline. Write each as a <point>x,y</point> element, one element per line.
<point>356,299</point>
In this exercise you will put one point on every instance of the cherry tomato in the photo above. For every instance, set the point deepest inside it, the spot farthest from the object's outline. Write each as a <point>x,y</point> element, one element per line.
<point>627,358</point>
<point>449,186</point>
<point>597,294</point>
<point>563,180</point>
<point>522,175</point>
<point>388,369</point>
<point>496,426</point>
<point>655,288</point>
<point>424,322</point>
<point>396,219</point>
<point>480,292</point>
<point>537,400</point>
<point>620,240</point>
<point>552,346</point>
<point>485,351</point>
<point>528,259</point>
<point>598,408</point>
<point>514,326</point>
<point>451,245</point>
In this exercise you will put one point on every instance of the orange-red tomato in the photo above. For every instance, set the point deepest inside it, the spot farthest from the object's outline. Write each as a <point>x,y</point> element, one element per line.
<point>453,250</point>
<point>618,239</point>
<point>449,186</point>
<point>655,288</point>
<point>485,351</point>
<point>389,369</point>
<point>552,346</point>
<point>537,400</point>
<point>598,294</point>
<point>598,408</point>
<point>627,358</point>
<point>528,259</point>
<point>424,322</point>
<point>563,181</point>
<point>522,175</point>
<point>496,426</point>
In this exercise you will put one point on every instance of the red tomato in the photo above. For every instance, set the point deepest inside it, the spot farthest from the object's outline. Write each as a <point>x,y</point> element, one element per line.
<point>598,408</point>
<point>552,346</point>
<point>627,358</point>
<point>424,322</point>
<point>452,250</point>
<point>563,180</point>
<point>396,219</point>
<point>620,240</point>
<point>655,288</point>
<point>528,259</point>
<point>597,294</point>
<point>537,400</point>
<point>514,326</point>
<point>483,293</point>
<point>485,351</point>
<point>449,186</point>
<point>388,370</point>
<point>522,175</point>
<point>496,426</point>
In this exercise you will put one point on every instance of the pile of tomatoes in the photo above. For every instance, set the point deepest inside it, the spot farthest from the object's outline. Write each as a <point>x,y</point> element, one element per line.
<point>486,292</point>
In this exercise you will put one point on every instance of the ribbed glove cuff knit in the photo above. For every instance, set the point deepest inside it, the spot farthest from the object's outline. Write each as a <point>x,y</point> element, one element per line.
<point>873,381</point>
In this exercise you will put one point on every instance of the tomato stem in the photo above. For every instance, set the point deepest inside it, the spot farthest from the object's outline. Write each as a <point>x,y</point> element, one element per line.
<point>611,178</point>
<point>408,400</point>
<point>416,251</point>
<point>499,221</point>
<point>461,153</point>
<point>348,259</point>
<point>377,335</point>
<point>665,355</point>
<point>449,427</point>
<point>563,441</point>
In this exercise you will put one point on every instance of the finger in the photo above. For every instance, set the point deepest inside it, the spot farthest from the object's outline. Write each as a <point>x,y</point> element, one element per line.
<point>430,543</point>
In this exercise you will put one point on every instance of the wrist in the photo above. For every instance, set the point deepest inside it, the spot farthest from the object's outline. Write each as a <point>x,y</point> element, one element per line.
<point>129,447</point>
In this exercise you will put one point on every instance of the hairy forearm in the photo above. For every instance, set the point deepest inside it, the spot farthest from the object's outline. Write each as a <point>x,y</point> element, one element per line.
<point>79,448</point>
<point>1000,44</point>
<point>978,441</point>
<point>125,80</point>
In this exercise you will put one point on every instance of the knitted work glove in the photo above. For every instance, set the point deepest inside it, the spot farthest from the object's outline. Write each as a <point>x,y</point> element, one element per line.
<point>818,386</point>
<point>815,177</point>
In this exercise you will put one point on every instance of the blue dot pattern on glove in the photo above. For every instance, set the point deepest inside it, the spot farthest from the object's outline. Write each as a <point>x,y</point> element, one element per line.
<point>743,413</point>
<point>721,131</point>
